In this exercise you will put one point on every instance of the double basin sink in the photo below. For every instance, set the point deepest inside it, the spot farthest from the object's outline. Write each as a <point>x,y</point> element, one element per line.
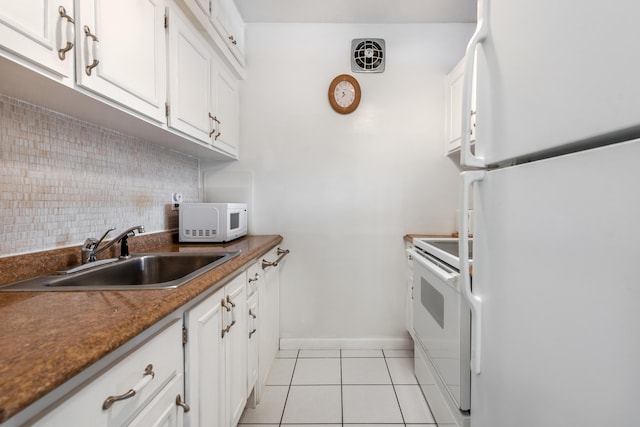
<point>141,271</point>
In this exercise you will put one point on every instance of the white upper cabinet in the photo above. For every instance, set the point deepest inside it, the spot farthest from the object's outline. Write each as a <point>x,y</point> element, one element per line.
<point>203,94</point>
<point>222,22</point>
<point>189,79</point>
<point>121,53</point>
<point>123,64</point>
<point>42,32</point>
<point>226,105</point>
<point>455,80</point>
<point>454,108</point>
<point>226,19</point>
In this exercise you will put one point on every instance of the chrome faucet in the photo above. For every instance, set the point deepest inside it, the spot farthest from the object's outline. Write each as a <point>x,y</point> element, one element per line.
<point>90,246</point>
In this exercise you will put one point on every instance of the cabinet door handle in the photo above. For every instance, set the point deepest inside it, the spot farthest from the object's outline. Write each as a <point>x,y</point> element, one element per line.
<point>255,278</point>
<point>233,40</point>
<point>252,320</point>
<point>233,305</point>
<point>181,403</point>
<point>94,50</point>
<point>70,33</point>
<point>216,122</point>
<point>214,118</point>
<point>146,379</point>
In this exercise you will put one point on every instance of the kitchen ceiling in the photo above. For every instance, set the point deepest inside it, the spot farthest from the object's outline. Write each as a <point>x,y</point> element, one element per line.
<point>358,11</point>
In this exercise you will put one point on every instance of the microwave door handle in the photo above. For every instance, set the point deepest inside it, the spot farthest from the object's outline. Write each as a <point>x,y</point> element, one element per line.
<point>442,274</point>
<point>475,303</point>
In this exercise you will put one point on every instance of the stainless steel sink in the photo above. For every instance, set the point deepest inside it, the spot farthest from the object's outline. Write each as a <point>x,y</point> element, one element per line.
<point>141,271</point>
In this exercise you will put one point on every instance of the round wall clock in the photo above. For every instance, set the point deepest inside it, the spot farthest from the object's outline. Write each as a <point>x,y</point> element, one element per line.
<point>344,94</point>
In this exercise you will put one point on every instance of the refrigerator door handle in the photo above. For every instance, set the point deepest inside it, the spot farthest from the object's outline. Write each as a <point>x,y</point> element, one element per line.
<point>475,303</point>
<point>467,158</point>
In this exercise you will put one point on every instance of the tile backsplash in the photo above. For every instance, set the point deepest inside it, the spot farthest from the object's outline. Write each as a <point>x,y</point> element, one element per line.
<point>63,180</point>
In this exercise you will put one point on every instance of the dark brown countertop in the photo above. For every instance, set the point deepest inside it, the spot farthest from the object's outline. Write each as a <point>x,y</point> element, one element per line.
<point>50,337</point>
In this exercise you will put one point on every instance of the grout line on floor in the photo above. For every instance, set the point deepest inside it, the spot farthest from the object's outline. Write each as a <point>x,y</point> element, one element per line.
<point>341,393</point>
<point>289,387</point>
<point>394,387</point>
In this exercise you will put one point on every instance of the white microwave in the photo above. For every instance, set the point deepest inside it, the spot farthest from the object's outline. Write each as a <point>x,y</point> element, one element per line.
<point>212,222</point>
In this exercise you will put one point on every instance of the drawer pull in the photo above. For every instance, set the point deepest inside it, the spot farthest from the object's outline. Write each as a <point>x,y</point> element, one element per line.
<point>252,332</point>
<point>281,254</point>
<point>146,379</point>
<point>255,278</point>
<point>181,403</point>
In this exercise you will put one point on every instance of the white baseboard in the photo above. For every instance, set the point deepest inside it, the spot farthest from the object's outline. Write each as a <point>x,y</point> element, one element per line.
<point>346,343</point>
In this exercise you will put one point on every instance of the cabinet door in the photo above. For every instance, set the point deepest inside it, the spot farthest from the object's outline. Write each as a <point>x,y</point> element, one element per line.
<point>37,30</point>
<point>409,297</point>
<point>228,23</point>
<point>454,108</point>
<point>236,350</point>
<point>269,301</point>
<point>227,107</point>
<point>189,79</point>
<point>236,40</point>
<point>253,333</point>
<point>122,54</point>
<point>163,410</point>
<point>204,355</point>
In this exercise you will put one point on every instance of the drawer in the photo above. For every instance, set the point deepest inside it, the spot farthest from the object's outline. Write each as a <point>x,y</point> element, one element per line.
<point>148,369</point>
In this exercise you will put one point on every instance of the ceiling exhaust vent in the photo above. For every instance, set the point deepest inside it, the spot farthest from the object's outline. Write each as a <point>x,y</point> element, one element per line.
<point>367,55</point>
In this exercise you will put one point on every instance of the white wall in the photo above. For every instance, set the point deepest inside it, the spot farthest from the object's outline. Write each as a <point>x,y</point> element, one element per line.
<point>344,189</point>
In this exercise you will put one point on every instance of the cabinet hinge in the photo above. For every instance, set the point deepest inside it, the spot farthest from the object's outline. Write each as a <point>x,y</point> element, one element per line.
<point>166,20</point>
<point>166,109</point>
<point>185,335</point>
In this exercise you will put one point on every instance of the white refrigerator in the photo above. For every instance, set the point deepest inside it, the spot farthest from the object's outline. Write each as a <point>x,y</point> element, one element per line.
<point>555,184</point>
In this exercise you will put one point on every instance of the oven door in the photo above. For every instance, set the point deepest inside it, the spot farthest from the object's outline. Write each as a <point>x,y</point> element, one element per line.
<point>441,322</point>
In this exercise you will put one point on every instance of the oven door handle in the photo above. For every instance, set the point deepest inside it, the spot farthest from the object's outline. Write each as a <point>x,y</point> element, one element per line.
<point>444,275</point>
<point>475,303</point>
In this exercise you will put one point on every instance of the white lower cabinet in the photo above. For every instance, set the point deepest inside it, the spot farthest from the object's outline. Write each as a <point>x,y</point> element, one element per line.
<point>199,372</point>
<point>409,288</point>
<point>255,281</point>
<point>139,390</point>
<point>269,306</point>
<point>216,357</point>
